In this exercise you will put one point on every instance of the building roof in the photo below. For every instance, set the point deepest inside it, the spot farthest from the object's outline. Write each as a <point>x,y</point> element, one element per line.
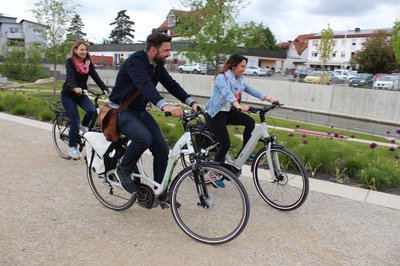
<point>301,42</point>
<point>285,44</point>
<point>33,22</point>
<point>355,33</point>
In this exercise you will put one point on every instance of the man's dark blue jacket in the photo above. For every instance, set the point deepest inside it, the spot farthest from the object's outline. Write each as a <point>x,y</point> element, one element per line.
<point>138,73</point>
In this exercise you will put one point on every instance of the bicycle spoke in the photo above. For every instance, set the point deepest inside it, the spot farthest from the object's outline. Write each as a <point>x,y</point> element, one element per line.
<point>227,211</point>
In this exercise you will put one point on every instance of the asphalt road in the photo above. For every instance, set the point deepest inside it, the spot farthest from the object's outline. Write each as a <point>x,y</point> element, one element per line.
<point>49,216</point>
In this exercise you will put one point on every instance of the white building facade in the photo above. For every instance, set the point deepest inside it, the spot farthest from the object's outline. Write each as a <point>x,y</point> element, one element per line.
<point>20,34</point>
<point>346,43</point>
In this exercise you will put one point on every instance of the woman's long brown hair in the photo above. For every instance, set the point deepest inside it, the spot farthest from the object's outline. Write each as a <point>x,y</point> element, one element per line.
<point>75,46</point>
<point>233,61</point>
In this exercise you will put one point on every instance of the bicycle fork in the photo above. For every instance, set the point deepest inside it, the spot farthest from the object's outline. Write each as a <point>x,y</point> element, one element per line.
<point>273,160</point>
<point>198,175</point>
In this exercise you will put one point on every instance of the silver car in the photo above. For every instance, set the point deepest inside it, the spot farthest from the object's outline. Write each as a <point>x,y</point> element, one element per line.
<point>387,82</point>
<point>255,71</point>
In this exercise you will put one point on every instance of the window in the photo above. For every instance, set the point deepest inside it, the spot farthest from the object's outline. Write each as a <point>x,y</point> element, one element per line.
<point>344,42</point>
<point>13,30</point>
<point>334,54</point>
<point>171,21</point>
<point>353,42</point>
<point>314,54</point>
<point>342,54</point>
<point>315,43</point>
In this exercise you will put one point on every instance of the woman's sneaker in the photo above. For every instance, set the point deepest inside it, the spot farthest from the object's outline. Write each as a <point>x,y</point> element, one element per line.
<point>83,128</point>
<point>216,179</point>
<point>252,156</point>
<point>74,153</point>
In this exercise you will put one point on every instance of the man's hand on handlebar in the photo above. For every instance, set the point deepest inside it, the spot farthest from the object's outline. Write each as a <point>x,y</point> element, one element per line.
<point>175,111</point>
<point>196,107</point>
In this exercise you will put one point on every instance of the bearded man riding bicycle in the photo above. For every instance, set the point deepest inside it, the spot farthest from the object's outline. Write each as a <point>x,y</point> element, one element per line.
<point>142,71</point>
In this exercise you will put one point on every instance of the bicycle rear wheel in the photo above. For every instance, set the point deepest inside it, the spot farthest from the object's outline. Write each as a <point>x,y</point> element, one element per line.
<point>228,211</point>
<point>201,140</point>
<point>290,189</point>
<point>60,133</point>
<point>108,190</point>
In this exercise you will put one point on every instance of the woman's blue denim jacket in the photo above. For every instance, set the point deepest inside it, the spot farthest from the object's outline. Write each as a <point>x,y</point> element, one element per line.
<point>223,94</point>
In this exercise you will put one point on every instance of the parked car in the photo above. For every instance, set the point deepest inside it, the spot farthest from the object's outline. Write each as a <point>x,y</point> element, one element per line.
<point>255,71</point>
<point>379,75</point>
<point>344,73</point>
<point>315,77</point>
<point>302,73</point>
<point>192,68</point>
<point>211,69</point>
<point>361,79</point>
<point>289,71</point>
<point>388,82</point>
<point>269,71</point>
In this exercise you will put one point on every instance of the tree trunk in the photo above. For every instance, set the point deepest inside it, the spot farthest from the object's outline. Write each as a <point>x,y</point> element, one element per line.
<point>55,79</point>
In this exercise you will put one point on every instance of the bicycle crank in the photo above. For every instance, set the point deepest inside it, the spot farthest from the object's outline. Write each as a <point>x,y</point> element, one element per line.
<point>145,196</point>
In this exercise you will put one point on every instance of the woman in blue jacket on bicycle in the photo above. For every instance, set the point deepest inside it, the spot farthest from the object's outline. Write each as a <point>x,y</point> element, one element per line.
<point>78,69</point>
<point>225,108</point>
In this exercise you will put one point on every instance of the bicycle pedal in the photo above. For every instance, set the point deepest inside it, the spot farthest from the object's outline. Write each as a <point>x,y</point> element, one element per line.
<point>164,205</point>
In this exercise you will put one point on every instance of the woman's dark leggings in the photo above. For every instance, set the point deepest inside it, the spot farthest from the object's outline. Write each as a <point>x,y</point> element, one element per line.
<point>218,124</point>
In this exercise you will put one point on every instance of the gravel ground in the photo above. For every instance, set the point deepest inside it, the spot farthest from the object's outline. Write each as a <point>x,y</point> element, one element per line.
<point>50,217</point>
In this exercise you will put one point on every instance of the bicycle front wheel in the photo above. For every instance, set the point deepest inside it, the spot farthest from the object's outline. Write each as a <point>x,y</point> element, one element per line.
<point>289,189</point>
<point>60,134</point>
<point>227,211</point>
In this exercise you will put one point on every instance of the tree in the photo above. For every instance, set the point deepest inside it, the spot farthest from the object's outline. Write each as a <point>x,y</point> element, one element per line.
<point>325,48</point>
<point>122,33</point>
<point>22,64</point>
<point>396,40</point>
<point>75,31</point>
<point>258,36</point>
<point>377,54</point>
<point>54,14</point>
<point>210,23</point>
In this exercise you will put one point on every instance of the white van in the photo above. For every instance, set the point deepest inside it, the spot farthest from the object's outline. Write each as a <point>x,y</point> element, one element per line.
<point>344,73</point>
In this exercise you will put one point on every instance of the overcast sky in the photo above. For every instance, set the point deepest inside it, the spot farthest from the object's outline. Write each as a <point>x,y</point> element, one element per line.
<point>286,18</point>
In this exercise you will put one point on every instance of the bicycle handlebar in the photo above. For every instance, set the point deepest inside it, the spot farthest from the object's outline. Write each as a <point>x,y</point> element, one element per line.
<point>188,115</point>
<point>264,109</point>
<point>95,94</point>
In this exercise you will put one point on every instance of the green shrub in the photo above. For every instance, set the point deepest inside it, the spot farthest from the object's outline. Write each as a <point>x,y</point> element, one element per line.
<point>46,115</point>
<point>19,109</point>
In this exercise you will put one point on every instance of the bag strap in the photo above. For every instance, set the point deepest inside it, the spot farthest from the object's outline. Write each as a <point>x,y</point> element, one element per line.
<point>125,104</point>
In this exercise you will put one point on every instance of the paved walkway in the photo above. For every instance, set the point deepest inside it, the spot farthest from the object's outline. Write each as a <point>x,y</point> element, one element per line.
<point>50,217</point>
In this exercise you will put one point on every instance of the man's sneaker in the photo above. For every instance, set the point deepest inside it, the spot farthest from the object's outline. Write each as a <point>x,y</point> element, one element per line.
<point>74,153</point>
<point>83,128</point>
<point>216,180</point>
<point>164,200</point>
<point>126,181</point>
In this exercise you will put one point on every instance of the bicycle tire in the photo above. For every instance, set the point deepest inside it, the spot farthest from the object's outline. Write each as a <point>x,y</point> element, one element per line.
<point>108,190</point>
<point>60,134</point>
<point>221,222</point>
<point>291,190</point>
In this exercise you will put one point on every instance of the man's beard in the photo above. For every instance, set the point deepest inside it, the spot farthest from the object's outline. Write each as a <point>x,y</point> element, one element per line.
<point>159,60</point>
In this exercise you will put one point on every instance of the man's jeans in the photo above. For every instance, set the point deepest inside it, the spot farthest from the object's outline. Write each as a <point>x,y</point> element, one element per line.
<point>71,107</point>
<point>144,132</point>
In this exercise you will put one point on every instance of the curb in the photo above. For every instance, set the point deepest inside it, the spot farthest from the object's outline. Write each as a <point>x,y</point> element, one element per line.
<point>339,190</point>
